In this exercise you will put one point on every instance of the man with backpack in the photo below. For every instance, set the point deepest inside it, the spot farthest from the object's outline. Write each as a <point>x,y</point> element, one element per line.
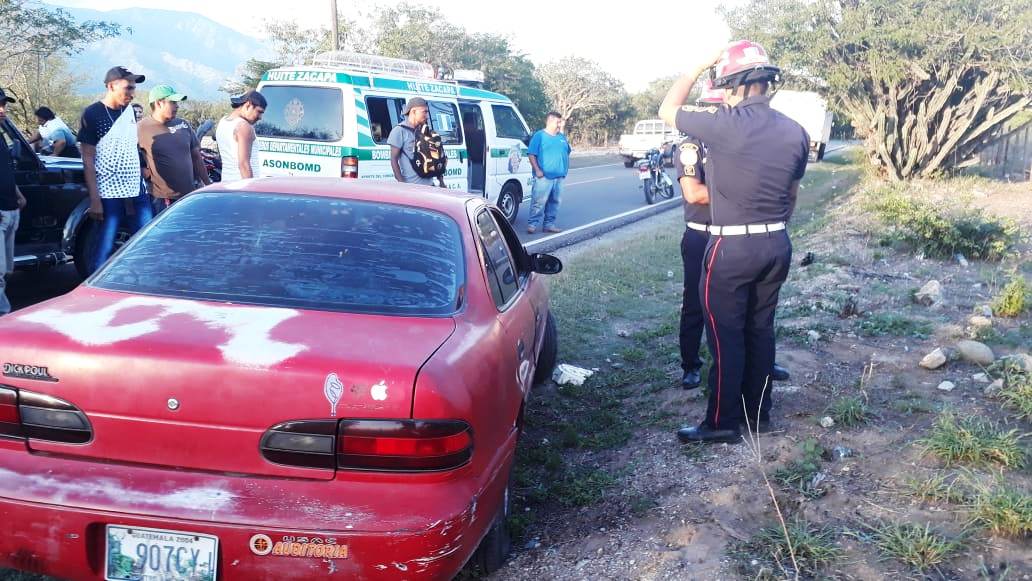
<point>419,145</point>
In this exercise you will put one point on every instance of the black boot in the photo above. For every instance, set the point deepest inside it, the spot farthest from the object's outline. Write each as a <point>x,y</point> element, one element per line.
<point>779,373</point>
<point>705,434</point>
<point>691,379</point>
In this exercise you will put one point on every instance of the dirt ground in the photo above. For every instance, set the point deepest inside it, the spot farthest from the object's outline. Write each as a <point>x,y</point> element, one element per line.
<point>620,498</point>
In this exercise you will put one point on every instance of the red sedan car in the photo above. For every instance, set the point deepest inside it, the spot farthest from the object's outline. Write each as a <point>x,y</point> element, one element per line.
<point>288,379</point>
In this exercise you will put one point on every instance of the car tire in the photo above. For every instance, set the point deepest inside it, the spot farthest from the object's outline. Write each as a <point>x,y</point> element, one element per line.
<point>496,545</point>
<point>549,352</point>
<point>629,162</point>
<point>509,201</point>
<point>83,244</point>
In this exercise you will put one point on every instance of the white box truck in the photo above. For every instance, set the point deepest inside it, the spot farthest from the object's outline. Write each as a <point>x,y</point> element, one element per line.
<point>811,111</point>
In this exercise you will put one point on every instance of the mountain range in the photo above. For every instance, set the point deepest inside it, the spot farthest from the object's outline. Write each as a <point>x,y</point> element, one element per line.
<point>191,52</point>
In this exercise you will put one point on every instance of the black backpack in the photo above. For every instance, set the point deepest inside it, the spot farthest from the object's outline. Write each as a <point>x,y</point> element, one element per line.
<point>429,159</point>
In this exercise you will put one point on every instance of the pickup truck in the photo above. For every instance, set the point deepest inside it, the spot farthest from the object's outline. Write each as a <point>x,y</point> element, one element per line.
<point>811,111</point>
<point>648,134</point>
<point>54,226</point>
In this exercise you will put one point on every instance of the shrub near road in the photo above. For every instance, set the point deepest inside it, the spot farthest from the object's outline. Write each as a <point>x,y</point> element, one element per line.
<point>604,491</point>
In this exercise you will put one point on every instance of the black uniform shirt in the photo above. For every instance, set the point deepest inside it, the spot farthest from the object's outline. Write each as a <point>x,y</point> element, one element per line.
<point>688,162</point>
<point>754,154</point>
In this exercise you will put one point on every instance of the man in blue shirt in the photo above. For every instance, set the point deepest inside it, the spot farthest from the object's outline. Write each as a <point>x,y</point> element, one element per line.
<point>550,158</point>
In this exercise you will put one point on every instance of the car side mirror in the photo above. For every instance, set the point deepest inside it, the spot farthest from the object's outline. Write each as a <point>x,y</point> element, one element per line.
<point>545,264</point>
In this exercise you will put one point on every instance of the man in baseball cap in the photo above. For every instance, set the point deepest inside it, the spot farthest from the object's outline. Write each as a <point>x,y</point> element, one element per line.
<point>122,73</point>
<point>171,148</point>
<point>111,163</point>
<point>5,99</point>
<point>402,140</point>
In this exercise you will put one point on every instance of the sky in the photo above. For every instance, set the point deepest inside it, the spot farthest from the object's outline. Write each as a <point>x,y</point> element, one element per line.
<point>636,43</point>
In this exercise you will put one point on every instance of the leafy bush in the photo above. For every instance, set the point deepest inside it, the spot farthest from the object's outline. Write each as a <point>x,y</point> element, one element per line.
<point>939,233</point>
<point>1014,299</point>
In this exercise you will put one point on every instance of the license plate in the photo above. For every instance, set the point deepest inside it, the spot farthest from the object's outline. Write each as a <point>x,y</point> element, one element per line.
<point>135,554</point>
<point>644,175</point>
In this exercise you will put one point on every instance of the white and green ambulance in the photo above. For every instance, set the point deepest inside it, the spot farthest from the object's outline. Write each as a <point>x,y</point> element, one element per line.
<point>332,118</point>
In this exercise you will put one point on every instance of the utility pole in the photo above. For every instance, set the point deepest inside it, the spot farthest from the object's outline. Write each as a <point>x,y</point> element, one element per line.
<point>335,26</point>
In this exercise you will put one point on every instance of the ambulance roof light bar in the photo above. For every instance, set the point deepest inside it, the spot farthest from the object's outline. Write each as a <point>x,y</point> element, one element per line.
<point>369,63</point>
<point>469,77</point>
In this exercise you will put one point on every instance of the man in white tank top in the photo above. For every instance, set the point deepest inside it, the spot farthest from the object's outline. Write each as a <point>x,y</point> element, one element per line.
<point>236,139</point>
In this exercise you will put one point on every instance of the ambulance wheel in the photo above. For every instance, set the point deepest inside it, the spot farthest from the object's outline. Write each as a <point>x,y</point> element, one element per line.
<point>509,201</point>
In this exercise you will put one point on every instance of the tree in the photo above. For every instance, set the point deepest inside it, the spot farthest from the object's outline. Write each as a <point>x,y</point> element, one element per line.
<point>34,41</point>
<point>248,76</point>
<point>575,84</point>
<point>28,29</point>
<point>422,34</point>
<point>927,83</point>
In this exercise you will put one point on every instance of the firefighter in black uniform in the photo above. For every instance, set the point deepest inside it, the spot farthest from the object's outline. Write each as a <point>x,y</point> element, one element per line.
<point>689,158</point>
<point>755,157</point>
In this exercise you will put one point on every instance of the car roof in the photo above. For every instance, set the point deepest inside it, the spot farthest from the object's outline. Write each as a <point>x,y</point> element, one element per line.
<point>429,197</point>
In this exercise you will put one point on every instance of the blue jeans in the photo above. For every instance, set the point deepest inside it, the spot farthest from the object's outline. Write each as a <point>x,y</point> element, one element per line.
<point>545,194</point>
<point>114,216</point>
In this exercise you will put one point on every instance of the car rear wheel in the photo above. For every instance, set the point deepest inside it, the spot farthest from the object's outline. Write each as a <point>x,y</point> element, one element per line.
<point>549,351</point>
<point>509,201</point>
<point>494,548</point>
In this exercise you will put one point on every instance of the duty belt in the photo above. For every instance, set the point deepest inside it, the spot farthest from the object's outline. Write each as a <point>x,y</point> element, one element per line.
<point>698,226</point>
<point>746,229</point>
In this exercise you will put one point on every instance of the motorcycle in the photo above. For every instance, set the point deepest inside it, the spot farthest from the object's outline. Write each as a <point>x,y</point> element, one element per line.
<point>210,157</point>
<point>654,179</point>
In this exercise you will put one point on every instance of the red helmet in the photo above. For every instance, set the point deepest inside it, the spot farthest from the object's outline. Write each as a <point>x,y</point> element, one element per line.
<point>710,95</point>
<point>742,62</point>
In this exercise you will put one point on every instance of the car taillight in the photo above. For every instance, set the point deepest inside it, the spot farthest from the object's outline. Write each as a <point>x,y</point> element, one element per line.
<point>307,443</point>
<point>385,445</point>
<point>10,422</point>
<point>403,445</point>
<point>349,167</point>
<point>25,414</point>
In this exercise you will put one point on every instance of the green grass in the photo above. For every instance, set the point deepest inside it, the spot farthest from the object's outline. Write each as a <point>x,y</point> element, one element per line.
<point>1014,298</point>
<point>850,411</point>
<point>1002,509</point>
<point>912,403</point>
<point>582,487</point>
<point>814,548</point>
<point>974,441</point>
<point>940,487</point>
<point>919,547</point>
<point>1017,387</point>
<point>800,475</point>
<point>894,324</point>
<point>940,231</point>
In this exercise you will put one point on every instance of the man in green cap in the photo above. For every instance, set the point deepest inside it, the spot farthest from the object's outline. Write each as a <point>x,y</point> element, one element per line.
<point>171,148</point>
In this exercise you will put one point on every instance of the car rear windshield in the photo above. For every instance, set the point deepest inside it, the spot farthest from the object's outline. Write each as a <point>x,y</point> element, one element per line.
<point>296,251</point>
<point>293,112</point>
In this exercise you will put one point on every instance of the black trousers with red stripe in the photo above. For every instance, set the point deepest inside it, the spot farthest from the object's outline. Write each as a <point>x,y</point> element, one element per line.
<point>693,247</point>
<point>741,278</point>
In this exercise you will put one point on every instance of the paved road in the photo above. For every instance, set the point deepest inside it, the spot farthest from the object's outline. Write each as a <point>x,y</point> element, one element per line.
<point>595,192</point>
